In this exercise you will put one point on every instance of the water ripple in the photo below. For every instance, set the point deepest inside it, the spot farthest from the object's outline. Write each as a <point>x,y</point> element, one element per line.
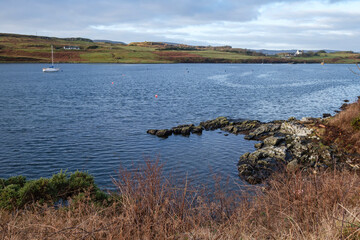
<point>78,119</point>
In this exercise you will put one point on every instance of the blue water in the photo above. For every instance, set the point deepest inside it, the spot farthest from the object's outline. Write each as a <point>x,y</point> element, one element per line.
<point>94,117</point>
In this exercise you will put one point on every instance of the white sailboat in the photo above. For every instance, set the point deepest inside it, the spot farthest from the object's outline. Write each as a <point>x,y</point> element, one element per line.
<point>51,68</point>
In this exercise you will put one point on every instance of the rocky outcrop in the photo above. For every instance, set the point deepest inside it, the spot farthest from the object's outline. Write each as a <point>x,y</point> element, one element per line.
<point>164,133</point>
<point>263,130</point>
<point>223,123</point>
<point>184,130</point>
<point>294,128</point>
<point>231,126</point>
<point>241,126</point>
<point>291,146</point>
<point>282,144</point>
<point>215,124</point>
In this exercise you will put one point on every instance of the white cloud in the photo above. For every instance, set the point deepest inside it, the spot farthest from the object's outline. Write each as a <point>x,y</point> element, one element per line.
<point>277,24</point>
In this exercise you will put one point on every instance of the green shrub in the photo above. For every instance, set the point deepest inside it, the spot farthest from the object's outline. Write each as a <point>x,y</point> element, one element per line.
<point>9,196</point>
<point>92,47</point>
<point>59,186</point>
<point>80,182</point>
<point>2,183</point>
<point>19,180</point>
<point>16,192</point>
<point>35,191</point>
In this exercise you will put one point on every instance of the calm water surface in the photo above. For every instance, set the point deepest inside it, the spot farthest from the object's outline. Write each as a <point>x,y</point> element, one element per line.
<point>94,117</point>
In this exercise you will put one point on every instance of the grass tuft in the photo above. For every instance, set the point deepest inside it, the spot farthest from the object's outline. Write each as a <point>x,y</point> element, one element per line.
<point>344,129</point>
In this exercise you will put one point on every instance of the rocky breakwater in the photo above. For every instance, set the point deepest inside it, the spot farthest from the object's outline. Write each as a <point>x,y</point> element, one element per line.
<point>186,129</point>
<point>289,145</point>
<point>231,126</point>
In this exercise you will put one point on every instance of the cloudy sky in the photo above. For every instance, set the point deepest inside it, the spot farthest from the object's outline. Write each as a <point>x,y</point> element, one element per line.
<point>255,24</point>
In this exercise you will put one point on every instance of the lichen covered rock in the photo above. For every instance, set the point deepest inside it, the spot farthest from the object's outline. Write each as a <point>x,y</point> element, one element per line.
<point>287,146</point>
<point>164,133</point>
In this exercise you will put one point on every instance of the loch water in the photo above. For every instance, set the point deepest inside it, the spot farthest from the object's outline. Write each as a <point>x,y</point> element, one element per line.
<point>94,117</point>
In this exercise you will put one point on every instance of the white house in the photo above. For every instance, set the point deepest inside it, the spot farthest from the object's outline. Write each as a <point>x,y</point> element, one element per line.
<point>299,52</point>
<point>71,48</point>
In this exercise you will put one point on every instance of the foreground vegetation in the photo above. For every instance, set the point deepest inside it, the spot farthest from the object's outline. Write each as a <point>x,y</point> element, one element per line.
<point>344,129</point>
<point>16,192</point>
<point>25,48</point>
<point>291,206</point>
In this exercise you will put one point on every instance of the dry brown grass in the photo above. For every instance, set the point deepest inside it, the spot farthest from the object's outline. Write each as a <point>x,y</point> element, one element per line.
<point>291,206</point>
<point>341,131</point>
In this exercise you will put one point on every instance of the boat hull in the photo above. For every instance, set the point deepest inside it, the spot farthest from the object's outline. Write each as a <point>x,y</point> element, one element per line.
<point>51,69</point>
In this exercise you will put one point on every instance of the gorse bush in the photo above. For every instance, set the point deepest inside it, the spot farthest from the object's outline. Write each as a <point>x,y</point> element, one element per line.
<point>9,196</point>
<point>16,192</point>
<point>33,191</point>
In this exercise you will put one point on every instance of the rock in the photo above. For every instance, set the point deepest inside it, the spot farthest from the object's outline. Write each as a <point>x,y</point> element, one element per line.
<point>244,156</point>
<point>177,130</point>
<point>255,156</point>
<point>275,152</point>
<point>294,128</point>
<point>185,131</point>
<point>245,170</point>
<point>291,119</point>
<point>229,128</point>
<point>273,141</point>
<point>270,156</point>
<point>265,129</point>
<point>151,131</point>
<point>309,120</point>
<point>344,106</point>
<point>182,129</point>
<point>255,172</point>
<point>258,145</point>
<point>325,115</point>
<point>346,100</point>
<point>292,166</point>
<point>215,124</point>
<point>164,133</point>
<point>197,129</point>
<point>246,125</point>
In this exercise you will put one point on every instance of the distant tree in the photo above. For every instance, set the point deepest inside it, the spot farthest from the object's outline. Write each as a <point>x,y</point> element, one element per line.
<point>310,54</point>
<point>93,47</point>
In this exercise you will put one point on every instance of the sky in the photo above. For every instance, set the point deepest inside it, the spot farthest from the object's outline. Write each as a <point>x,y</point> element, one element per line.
<point>252,24</point>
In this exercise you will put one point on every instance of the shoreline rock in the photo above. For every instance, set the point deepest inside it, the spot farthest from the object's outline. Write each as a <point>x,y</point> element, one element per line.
<point>292,146</point>
<point>283,144</point>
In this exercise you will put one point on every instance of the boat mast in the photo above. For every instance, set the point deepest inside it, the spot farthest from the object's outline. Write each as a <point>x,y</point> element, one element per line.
<point>52,56</point>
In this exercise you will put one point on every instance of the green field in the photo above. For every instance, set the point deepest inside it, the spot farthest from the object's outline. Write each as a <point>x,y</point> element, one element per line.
<point>16,48</point>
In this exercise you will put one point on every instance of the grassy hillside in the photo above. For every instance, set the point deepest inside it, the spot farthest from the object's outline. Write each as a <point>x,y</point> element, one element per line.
<point>27,48</point>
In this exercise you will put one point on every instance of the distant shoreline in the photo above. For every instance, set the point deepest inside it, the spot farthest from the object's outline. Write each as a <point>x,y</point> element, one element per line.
<point>15,48</point>
<point>132,63</point>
